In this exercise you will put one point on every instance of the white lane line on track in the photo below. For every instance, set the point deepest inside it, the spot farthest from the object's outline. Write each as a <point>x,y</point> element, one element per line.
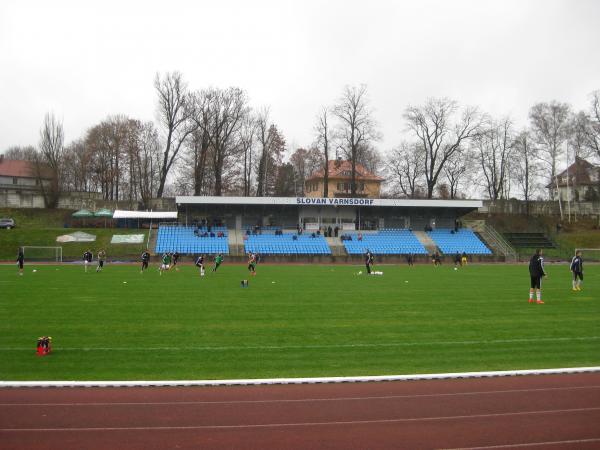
<point>307,424</point>
<point>307,400</point>
<point>528,444</point>
<point>288,347</point>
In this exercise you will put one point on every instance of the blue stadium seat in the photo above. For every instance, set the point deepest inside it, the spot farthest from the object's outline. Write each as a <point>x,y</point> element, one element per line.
<point>182,239</point>
<point>285,244</point>
<point>386,242</point>
<point>463,240</point>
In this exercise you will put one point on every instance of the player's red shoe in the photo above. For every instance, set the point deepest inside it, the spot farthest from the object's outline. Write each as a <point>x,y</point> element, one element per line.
<point>540,302</point>
<point>530,300</point>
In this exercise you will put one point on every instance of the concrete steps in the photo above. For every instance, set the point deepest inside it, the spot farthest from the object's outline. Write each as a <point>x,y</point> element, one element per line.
<point>426,241</point>
<point>336,246</point>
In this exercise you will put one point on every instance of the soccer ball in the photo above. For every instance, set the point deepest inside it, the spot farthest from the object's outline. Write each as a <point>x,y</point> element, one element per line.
<point>34,270</point>
<point>360,272</point>
<point>456,268</point>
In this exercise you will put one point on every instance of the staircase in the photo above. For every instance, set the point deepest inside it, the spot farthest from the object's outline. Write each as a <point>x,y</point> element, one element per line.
<point>151,241</point>
<point>236,243</point>
<point>496,242</point>
<point>336,246</point>
<point>426,241</point>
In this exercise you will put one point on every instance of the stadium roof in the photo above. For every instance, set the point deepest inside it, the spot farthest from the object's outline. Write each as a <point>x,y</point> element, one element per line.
<point>121,214</point>
<point>307,201</point>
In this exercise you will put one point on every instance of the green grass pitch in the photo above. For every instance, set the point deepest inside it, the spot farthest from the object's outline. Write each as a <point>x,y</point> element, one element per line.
<point>292,321</point>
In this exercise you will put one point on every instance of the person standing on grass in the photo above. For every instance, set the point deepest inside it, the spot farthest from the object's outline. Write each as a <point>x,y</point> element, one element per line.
<point>536,272</point>
<point>457,260</point>
<point>145,260</point>
<point>200,264</point>
<point>175,259</point>
<point>252,263</point>
<point>87,259</point>
<point>369,260</point>
<point>577,270</point>
<point>218,261</point>
<point>165,263</point>
<point>20,260</point>
<point>101,258</point>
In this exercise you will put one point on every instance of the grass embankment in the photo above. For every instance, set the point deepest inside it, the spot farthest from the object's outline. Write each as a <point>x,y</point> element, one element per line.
<point>292,321</point>
<point>41,227</point>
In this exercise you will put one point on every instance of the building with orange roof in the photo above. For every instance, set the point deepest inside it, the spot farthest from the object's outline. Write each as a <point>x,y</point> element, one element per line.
<point>368,185</point>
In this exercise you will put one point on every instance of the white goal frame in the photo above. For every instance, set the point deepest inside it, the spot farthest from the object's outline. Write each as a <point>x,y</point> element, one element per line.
<point>58,253</point>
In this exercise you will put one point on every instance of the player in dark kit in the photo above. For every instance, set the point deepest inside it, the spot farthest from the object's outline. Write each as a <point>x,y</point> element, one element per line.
<point>536,272</point>
<point>20,260</point>
<point>369,260</point>
<point>87,259</point>
<point>457,260</point>
<point>145,259</point>
<point>410,259</point>
<point>577,270</point>
<point>218,262</point>
<point>200,264</point>
<point>175,256</point>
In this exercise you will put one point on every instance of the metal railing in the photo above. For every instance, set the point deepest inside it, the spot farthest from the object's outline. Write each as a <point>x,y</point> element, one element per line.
<point>500,242</point>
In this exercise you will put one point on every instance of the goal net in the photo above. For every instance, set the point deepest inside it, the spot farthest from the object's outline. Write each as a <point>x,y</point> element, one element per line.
<point>589,254</point>
<point>42,254</point>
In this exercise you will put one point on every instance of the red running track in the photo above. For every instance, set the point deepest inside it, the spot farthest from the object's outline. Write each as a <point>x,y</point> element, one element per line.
<point>528,412</point>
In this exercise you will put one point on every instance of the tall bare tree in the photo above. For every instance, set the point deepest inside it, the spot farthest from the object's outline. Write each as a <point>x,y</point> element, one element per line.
<point>405,169</point>
<point>247,141</point>
<point>441,133</point>
<point>550,129</point>
<point>357,128</point>
<point>457,169</point>
<point>323,143</point>
<point>174,114</point>
<point>305,163</point>
<point>493,146</point>
<point>525,165</point>
<point>593,130</point>
<point>50,158</point>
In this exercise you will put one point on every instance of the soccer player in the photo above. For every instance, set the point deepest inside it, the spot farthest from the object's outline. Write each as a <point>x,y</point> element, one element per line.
<point>200,264</point>
<point>463,261</point>
<point>20,260</point>
<point>145,259</point>
<point>252,263</point>
<point>577,269</point>
<point>87,259</point>
<point>536,272</point>
<point>369,260</point>
<point>218,261</point>
<point>165,263</point>
<point>457,260</point>
<point>436,260</point>
<point>101,258</point>
<point>175,259</point>
<point>410,259</point>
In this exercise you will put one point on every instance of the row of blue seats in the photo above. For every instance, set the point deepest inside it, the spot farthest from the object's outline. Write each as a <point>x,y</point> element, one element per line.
<point>462,240</point>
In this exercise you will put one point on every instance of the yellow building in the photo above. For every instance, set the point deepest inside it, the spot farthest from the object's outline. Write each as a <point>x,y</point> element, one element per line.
<point>368,185</point>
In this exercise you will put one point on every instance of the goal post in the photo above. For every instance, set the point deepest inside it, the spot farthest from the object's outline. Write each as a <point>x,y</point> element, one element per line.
<point>42,254</point>
<point>589,254</point>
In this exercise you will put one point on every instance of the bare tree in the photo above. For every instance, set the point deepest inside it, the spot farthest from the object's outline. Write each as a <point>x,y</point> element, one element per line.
<point>27,153</point>
<point>50,158</point>
<point>525,165</point>
<point>440,133</point>
<point>227,109</point>
<point>323,143</point>
<point>457,169</point>
<point>272,145</point>
<point>593,130</point>
<point>493,146</point>
<point>356,126</point>
<point>174,119</point>
<point>405,168</point>
<point>550,127</point>
<point>247,139</point>
<point>305,163</point>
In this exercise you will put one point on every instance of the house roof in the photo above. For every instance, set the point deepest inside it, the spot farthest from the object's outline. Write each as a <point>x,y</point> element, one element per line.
<point>579,173</point>
<point>337,169</point>
<point>16,168</point>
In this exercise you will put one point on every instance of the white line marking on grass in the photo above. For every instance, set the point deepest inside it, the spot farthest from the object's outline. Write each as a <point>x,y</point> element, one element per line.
<point>315,380</point>
<point>304,400</point>
<point>288,347</point>
<point>529,444</point>
<point>308,424</point>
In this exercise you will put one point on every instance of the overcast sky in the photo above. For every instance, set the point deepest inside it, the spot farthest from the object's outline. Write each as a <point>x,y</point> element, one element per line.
<point>85,60</point>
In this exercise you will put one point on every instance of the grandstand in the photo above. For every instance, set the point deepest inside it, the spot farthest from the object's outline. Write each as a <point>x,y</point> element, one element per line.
<point>529,240</point>
<point>192,240</point>
<point>286,244</point>
<point>462,240</point>
<point>385,242</point>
